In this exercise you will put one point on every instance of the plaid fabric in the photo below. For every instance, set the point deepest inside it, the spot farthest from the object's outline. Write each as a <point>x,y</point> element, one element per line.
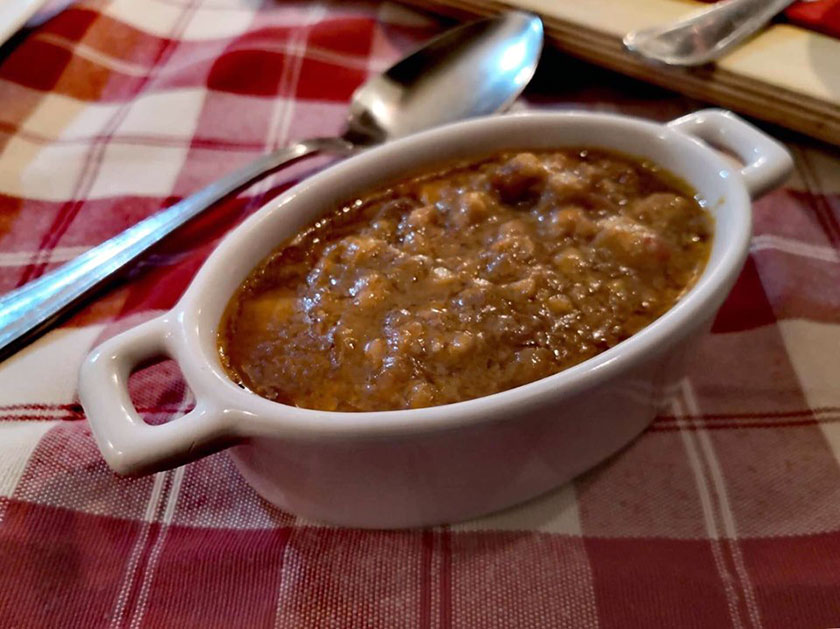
<point>819,15</point>
<point>726,512</point>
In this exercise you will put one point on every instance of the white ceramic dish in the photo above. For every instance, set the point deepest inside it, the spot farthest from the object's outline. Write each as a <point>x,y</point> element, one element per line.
<point>446,463</point>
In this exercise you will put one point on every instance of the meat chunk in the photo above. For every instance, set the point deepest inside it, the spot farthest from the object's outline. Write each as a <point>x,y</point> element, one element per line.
<point>472,208</point>
<point>520,178</point>
<point>566,184</point>
<point>569,221</point>
<point>662,210</point>
<point>632,243</point>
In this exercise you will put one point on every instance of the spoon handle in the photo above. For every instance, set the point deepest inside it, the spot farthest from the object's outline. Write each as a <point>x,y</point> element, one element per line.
<point>30,309</point>
<point>705,35</point>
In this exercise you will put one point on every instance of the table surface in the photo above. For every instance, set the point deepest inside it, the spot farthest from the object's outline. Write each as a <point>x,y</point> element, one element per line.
<point>786,74</point>
<point>725,512</point>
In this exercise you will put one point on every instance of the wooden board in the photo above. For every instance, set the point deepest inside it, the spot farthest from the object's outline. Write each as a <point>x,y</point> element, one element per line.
<point>785,75</point>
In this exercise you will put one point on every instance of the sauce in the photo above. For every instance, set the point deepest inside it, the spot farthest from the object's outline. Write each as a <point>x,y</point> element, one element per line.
<point>465,282</point>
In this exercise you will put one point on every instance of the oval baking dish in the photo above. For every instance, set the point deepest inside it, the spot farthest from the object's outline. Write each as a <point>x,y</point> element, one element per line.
<point>442,463</point>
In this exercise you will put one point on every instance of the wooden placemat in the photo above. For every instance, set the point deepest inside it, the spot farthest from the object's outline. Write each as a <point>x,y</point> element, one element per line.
<point>786,75</point>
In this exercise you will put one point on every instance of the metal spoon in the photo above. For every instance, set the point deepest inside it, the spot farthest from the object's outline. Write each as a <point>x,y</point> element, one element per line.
<point>476,69</point>
<point>706,35</point>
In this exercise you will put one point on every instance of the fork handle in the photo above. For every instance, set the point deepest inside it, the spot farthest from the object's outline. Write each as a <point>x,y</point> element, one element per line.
<point>30,309</point>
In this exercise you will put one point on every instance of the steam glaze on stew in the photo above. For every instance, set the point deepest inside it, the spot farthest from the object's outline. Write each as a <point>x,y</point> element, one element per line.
<point>465,282</point>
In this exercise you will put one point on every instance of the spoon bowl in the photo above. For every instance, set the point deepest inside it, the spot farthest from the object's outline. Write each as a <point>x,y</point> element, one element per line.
<point>474,70</point>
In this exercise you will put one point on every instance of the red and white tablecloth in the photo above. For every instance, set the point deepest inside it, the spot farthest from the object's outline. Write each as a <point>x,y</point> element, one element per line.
<point>725,512</point>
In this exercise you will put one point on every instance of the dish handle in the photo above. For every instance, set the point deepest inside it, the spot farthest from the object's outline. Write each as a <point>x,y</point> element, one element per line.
<point>128,444</point>
<point>767,163</point>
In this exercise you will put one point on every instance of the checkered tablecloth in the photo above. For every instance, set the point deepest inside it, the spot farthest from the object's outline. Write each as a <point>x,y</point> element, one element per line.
<point>820,15</point>
<point>725,512</point>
